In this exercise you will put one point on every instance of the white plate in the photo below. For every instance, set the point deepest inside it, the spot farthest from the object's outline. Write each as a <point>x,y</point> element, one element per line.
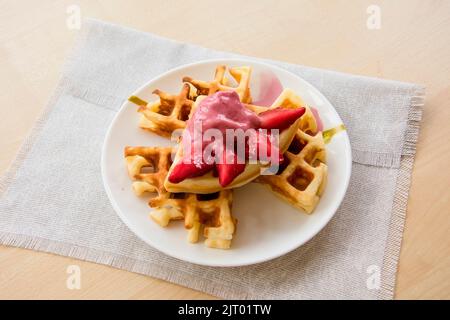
<point>268,227</point>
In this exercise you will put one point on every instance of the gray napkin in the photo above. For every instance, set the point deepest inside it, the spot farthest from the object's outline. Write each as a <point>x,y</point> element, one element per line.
<point>52,199</point>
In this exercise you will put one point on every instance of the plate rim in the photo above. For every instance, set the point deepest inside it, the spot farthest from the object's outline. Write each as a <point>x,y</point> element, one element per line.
<point>283,251</point>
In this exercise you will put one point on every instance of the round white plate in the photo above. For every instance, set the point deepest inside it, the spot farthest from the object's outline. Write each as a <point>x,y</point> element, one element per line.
<point>268,227</point>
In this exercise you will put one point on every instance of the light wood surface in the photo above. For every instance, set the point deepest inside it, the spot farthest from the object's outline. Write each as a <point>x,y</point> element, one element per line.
<point>411,45</point>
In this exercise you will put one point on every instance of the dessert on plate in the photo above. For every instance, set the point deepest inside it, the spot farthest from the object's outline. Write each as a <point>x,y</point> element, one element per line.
<point>224,141</point>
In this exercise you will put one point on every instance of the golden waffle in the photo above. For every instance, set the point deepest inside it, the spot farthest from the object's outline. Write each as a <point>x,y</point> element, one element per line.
<point>168,113</point>
<point>148,167</point>
<point>171,112</point>
<point>302,177</point>
<point>221,83</point>
<point>213,212</point>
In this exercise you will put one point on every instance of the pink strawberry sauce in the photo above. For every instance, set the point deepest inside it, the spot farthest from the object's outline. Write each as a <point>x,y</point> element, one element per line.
<point>220,111</point>
<point>270,88</point>
<point>316,115</point>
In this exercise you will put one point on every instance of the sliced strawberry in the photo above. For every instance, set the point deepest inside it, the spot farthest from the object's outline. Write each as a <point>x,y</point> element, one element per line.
<point>228,168</point>
<point>188,170</point>
<point>280,118</point>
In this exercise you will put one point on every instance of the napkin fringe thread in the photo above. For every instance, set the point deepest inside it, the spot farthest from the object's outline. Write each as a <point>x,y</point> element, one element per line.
<point>400,203</point>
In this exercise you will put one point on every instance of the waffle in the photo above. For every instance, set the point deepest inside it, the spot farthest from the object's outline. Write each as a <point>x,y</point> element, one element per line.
<point>302,176</point>
<point>148,167</point>
<point>213,212</point>
<point>169,112</point>
<point>221,83</point>
<point>209,183</point>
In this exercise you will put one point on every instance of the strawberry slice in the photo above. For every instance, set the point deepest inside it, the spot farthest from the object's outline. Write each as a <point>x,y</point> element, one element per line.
<point>228,168</point>
<point>280,118</point>
<point>188,170</point>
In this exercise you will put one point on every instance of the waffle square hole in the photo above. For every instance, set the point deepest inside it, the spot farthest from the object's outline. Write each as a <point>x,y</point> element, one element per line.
<point>152,166</point>
<point>152,195</point>
<point>170,157</point>
<point>315,163</point>
<point>283,165</point>
<point>148,169</point>
<point>313,158</point>
<point>300,179</point>
<point>166,107</point>
<point>184,113</point>
<point>296,145</point>
<point>210,219</point>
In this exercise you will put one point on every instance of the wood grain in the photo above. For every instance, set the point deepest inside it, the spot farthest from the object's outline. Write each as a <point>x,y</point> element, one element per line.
<point>411,45</point>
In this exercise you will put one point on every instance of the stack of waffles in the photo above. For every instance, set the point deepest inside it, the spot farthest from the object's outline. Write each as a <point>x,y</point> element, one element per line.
<point>300,180</point>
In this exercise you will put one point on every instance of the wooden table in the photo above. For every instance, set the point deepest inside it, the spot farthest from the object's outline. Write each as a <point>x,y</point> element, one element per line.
<point>412,45</point>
